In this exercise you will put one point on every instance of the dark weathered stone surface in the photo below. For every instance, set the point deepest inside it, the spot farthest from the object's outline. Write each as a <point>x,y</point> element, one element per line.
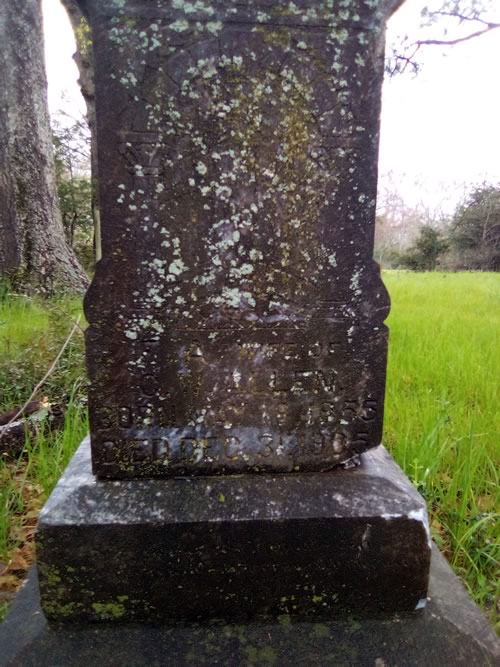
<point>233,547</point>
<point>236,320</point>
<point>449,632</point>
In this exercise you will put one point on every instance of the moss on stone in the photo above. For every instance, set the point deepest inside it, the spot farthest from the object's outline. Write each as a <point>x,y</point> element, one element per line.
<point>110,610</point>
<point>58,610</point>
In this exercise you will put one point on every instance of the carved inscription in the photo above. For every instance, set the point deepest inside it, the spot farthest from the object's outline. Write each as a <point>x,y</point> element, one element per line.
<point>249,450</point>
<point>286,406</point>
<point>322,413</point>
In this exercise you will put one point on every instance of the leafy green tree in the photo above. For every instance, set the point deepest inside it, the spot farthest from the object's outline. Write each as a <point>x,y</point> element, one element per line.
<point>74,184</point>
<point>424,254</point>
<point>75,201</point>
<point>475,230</point>
<point>84,60</point>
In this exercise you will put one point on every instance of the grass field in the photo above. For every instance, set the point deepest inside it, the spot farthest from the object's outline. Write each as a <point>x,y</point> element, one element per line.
<point>442,421</point>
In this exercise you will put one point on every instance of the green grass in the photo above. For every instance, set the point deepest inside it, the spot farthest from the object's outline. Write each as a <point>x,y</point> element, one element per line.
<point>21,319</point>
<point>26,484</point>
<point>441,420</point>
<point>31,334</point>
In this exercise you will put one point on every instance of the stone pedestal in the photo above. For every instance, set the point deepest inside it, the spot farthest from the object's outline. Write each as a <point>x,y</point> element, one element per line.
<point>449,631</point>
<point>311,546</point>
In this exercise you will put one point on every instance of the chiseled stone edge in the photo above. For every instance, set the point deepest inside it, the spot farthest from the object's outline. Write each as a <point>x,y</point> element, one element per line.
<point>83,514</point>
<point>79,497</point>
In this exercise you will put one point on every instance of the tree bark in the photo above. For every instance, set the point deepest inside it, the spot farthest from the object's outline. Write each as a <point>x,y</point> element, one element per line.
<point>85,62</point>
<point>33,249</point>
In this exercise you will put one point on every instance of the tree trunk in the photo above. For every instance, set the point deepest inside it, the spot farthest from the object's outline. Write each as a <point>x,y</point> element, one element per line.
<point>85,63</point>
<point>33,249</point>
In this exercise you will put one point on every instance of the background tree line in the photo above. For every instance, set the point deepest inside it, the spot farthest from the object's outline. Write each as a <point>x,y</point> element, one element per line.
<point>420,240</point>
<point>72,159</point>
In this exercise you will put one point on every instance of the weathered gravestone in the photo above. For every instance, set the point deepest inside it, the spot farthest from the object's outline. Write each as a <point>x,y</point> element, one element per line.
<point>236,321</point>
<point>235,325</point>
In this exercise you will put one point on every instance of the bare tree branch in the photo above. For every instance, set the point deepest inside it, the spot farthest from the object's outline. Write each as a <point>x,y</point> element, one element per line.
<point>458,40</point>
<point>459,21</point>
<point>475,18</point>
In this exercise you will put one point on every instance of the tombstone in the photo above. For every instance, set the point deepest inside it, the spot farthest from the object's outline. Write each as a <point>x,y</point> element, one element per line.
<point>237,318</point>
<point>236,343</point>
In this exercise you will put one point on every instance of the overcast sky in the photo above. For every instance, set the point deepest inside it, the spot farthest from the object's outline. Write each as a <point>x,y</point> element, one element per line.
<point>440,130</point>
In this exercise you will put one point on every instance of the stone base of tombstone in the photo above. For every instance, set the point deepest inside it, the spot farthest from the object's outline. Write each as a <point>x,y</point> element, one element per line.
<point>311,546</point>
<point>449,631</point>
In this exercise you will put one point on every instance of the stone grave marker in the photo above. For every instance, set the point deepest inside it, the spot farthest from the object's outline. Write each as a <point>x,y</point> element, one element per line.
<point>236,325</point>
<point>237,318</point>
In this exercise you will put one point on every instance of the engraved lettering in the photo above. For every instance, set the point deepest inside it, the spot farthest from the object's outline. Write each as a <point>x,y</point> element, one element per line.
<point>232,447</point>
<point>351,406</point>
<point>360,440</point>
<point>291,351</point>
<point>188,448</point>
<point>327,412</point>
<point>303,381</point>
<point>282,414</point>
<point>266,440</point>
<point>194,350</point>
<point>108,450</point>
<point>237,326</point>
<point>278,383</point>
<point>142,148</point>
<point>125,417</point>
<point>339,443</point>
<point>369,411</point>
<point>104,417</point>
<point>148,336</point>
<point>325,381</point>
<point>161,448</point>
<point>145,414</point>
<point>317,444</point>
<point>140,450</point>
<point>315,350</point>
<point>210,446</point>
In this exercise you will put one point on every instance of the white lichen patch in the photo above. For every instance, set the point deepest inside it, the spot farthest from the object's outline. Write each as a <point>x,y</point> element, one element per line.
<point>355,283</point>
<point>201,168</point>
<point>181,25</point>
<point>177,267</point>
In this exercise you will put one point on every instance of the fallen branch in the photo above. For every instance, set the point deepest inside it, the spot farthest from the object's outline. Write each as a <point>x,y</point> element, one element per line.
<point>32,407</point>
<point>13,434</point>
